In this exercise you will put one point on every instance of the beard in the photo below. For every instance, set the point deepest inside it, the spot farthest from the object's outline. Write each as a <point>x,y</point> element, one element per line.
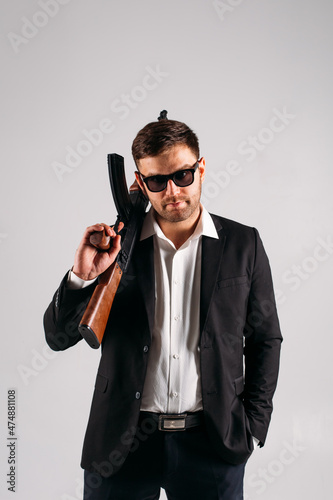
<point>168,211</point>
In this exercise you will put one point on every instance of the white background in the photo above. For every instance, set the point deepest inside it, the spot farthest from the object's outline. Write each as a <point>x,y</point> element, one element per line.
<point>226,72</point>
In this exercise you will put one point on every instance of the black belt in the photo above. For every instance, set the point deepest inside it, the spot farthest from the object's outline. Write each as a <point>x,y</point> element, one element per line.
<point>174,421</point>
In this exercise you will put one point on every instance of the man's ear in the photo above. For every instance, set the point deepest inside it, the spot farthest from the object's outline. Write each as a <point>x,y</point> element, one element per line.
<point>141,184</point>
<point>202,168</point>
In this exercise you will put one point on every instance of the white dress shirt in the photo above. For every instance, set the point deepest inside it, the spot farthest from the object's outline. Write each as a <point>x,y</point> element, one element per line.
<point>172,383</point>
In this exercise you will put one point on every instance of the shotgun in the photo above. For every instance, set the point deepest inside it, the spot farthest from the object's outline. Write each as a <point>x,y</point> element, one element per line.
<point>131,208</point>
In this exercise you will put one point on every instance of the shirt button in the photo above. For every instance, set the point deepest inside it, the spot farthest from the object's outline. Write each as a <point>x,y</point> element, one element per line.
<point>175,394</point>
<point>176,356</point>
<point>146,348</point>
<point>138,395</point>
<point>176,318</point>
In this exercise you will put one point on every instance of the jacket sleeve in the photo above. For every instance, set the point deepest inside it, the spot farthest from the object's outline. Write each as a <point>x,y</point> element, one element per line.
<point>262,346</point>
<point>62,317</point>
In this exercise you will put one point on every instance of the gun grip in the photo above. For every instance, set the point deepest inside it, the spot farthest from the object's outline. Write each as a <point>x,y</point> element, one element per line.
<point>100,240</point>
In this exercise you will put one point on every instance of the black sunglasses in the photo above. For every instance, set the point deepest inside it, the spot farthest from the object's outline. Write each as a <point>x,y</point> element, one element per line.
<point>182,178</point>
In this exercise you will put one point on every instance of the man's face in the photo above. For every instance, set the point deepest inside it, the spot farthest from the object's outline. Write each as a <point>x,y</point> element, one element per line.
<point>174,203</point>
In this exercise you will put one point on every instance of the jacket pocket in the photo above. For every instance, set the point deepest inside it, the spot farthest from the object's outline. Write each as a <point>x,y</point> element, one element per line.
<point>238,280</point>
<point>101,383</point>
<point>239,385</point>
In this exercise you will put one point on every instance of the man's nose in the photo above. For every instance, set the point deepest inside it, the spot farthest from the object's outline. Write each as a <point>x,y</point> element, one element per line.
<point>171,188</point>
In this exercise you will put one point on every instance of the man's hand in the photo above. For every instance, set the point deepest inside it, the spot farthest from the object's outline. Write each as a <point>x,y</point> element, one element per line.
<point>89,262</point>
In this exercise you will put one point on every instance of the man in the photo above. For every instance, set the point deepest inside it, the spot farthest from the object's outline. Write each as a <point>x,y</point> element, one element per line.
<point>191,351</point>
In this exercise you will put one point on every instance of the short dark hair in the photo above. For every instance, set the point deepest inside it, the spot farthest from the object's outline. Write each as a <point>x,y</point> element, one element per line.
<point>158,137</point>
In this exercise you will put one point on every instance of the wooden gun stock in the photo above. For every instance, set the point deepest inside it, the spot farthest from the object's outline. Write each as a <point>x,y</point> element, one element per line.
<point>96,315</point>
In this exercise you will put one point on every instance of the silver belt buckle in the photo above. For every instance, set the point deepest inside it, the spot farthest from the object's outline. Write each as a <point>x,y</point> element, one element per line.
<point>172,422</point>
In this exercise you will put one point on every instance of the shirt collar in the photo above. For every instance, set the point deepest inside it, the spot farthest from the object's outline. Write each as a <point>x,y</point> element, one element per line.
<point>205,226</point>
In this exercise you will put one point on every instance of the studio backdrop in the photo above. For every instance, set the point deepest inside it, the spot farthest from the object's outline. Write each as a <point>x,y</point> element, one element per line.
<point>253,79</point>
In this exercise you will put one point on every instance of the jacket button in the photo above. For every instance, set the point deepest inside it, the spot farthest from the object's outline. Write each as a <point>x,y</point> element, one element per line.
<point>138,395</point>
<point>146,348</point>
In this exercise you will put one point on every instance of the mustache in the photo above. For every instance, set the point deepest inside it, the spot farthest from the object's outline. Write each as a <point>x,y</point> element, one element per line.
<point>173,199</point>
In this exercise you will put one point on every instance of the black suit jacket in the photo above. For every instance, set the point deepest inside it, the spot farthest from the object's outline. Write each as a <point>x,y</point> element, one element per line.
<point>240,343</point>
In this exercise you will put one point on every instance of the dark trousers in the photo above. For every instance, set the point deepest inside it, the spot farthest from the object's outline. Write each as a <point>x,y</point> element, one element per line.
<point>182,462</point>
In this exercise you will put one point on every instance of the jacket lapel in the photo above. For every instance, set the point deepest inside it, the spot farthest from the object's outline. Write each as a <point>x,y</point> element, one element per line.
<point>144,270</point>
<point>212,251</point>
